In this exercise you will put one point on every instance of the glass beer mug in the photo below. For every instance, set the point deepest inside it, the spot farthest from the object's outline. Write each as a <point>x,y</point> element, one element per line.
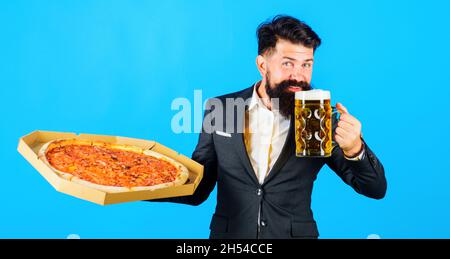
<point>313,126</point>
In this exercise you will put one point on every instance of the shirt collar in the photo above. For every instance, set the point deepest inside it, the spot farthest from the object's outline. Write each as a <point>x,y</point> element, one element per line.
<point>256,100</point>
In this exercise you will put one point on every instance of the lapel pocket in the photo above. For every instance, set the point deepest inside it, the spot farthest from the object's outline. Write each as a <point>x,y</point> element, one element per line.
<point>223,134</point>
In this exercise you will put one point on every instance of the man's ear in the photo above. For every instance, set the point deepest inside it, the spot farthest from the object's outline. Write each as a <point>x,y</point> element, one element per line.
<point>261,64</point>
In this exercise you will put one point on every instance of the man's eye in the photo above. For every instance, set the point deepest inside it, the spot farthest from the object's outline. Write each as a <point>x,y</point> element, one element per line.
<point>307,65</point>
<point>288,64</point>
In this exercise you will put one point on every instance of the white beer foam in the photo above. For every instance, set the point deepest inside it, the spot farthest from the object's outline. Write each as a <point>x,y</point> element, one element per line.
<point>315,94</point>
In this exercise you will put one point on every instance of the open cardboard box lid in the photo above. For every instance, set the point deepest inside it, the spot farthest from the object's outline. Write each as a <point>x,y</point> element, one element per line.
<point>30,144</point>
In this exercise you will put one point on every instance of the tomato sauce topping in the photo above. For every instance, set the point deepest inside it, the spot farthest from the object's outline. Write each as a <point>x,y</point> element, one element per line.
<point>111,167</point>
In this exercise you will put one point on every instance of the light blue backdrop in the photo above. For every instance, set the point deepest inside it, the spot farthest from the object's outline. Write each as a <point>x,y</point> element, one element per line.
<point>114,67</point>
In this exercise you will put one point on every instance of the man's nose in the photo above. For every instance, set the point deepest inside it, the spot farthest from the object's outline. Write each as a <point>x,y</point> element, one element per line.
<point>297,76</point>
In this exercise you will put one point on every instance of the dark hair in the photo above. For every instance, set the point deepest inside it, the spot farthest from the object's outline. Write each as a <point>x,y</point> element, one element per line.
<point>286,28</point>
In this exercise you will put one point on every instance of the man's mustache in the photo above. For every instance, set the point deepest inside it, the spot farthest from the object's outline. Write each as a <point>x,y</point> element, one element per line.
<point>287,83</point>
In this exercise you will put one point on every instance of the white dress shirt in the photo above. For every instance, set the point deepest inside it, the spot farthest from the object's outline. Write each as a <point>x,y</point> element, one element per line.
<point>265,134</point>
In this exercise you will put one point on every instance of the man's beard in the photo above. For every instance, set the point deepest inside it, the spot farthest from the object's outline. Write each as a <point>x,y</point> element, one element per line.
<point>286,98</point>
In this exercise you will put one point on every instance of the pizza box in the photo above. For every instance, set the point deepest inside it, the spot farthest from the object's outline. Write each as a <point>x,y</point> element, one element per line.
<point>30,144</point>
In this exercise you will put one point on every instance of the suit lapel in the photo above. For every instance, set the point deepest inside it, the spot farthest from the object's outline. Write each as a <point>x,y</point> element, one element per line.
<point>237,137</point>
<point>238,143</point>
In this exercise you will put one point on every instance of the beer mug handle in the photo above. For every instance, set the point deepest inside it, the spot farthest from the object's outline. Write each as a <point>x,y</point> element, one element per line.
<point>335,115</point>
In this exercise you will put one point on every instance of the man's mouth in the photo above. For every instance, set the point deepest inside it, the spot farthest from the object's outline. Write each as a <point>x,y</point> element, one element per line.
<point>294,88</point>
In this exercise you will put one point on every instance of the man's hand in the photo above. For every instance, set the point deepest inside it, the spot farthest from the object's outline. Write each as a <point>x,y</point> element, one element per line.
<point>348,132</point>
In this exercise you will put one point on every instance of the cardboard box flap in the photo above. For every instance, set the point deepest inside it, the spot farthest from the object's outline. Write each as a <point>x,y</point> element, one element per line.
<point>32,157</point>
<point>164,150</point>
<point>145,144</point>
<point>45,136</point>
<point>192,166</point>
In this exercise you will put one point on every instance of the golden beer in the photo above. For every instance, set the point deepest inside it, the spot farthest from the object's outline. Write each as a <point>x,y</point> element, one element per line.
<point>313,130</point>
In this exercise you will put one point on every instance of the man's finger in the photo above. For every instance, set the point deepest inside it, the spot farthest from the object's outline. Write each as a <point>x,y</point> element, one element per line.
<point>349,118</point>
<point>343,133</point>
<point>346,125</point>
<point>341,108</point>
<point>339,140</point>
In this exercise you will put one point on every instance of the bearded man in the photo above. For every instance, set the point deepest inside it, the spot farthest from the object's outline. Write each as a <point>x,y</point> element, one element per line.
<point>263,188</point>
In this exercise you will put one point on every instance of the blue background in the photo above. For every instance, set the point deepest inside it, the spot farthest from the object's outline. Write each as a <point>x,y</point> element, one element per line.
<point>114,67</point>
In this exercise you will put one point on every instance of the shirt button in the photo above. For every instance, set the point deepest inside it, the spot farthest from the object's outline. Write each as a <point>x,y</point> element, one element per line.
<point>263,223</point>
<point>259,192</point>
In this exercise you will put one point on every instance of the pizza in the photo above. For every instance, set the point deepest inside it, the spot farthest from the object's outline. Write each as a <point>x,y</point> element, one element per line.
<point>112,167</point>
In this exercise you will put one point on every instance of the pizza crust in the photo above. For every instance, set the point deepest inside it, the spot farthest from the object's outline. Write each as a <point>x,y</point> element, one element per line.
<point>42,156</point>
<point>181,178</point>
